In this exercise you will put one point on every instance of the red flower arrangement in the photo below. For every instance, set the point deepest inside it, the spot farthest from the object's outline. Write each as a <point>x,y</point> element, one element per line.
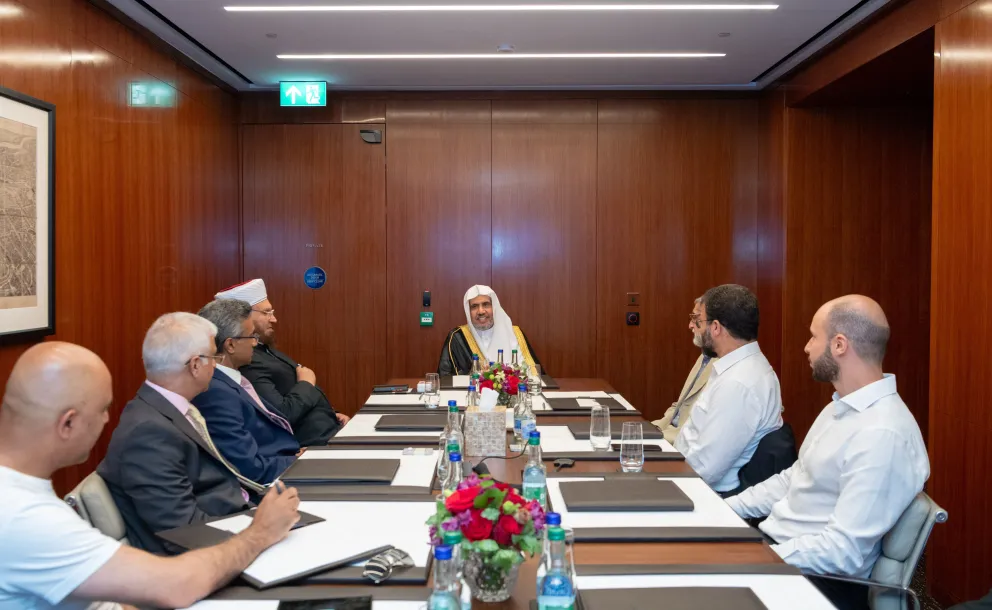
<point>504,380</point>
<point>493,518</point>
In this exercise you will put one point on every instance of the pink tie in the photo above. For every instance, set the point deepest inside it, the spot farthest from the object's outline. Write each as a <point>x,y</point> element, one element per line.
<point>248,387</point>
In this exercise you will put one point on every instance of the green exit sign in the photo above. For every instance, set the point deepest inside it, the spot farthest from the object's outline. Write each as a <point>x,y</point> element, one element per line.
<point>150,94</point>
<point>302,93</point>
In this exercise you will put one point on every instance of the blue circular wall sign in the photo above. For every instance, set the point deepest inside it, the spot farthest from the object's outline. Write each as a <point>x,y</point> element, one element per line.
<point>314,277</point>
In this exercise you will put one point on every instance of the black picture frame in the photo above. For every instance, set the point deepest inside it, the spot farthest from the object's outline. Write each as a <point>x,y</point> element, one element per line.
<point>28,332</point>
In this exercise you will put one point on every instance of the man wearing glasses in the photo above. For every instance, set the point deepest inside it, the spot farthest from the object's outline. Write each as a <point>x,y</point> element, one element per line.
<point>678,414</point>
<point>162,468</point>
<point>249,431</point>
<point>277,378</point>
<point>741,402</point>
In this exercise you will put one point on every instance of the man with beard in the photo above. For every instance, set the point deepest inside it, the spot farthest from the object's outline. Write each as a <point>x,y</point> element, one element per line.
<point>678,414</point>
<point>290,387</point>
<point>861,464</point>
<point>741,402</point>
<point>488,331</point>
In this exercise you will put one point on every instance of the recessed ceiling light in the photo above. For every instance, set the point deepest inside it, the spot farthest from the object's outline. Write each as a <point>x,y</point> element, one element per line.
<point>7,10</point>
<point>506,56</point>
<point>498,8</point>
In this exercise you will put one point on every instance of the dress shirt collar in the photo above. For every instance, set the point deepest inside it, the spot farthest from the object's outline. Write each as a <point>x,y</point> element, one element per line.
<point>722,364</point>
<point>175,399</point>
<point>234,374</point>
<point>864,397</point>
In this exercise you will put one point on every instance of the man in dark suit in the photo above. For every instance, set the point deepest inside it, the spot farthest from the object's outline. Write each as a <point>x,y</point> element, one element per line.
<point>277,378</point>
<point>247,430</point>
<point>161,471</point>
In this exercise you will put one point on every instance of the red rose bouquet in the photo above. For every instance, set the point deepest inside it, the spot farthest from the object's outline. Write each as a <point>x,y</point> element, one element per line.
<point>496,523</point>
<point>504,380</point>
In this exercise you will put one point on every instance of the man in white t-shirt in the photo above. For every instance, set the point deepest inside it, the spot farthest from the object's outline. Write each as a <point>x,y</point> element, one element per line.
<point>53,411</point>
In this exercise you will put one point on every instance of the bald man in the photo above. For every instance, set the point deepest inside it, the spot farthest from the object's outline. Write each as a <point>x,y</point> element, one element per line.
<point>54,409</point>
<point>861,464</point>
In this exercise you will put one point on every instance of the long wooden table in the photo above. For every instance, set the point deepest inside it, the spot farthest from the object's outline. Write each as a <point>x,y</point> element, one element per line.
<point>668,553</point>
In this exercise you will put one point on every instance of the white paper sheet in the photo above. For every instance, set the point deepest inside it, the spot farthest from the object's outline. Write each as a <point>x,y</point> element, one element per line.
<point>459,396</point>
<point>415,470</point>
<point>235,524</point>
<point>363,424</point>
<point>347,531</point>
<point>587,402</point>
<point>460,381</point>
<point>559,439</point>
<point>710,509</point>
<point>243,604</point>
<point>588,394</point>
<point>620,399</point>
<point>396,399</point>
<point>776,591</point>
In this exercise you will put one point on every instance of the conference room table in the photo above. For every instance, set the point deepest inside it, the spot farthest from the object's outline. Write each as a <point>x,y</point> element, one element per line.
<point>714,554</point>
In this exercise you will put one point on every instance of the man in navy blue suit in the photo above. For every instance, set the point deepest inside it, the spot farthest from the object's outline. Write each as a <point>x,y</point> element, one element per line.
<point>248,431</point>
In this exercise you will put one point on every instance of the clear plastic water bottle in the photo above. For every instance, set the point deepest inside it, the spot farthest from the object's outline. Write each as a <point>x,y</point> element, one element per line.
<point>499,358</point>
<point>524,421</point>
<point>556,574</point>
<point>535,475</point>
<point>550,520</point>
<point>455,471</point>
<point>513,360</point>
<point>444,462</point>
<point>460,588</point>
<point>442,597</point>
<point>476,367</point>
<point>473,395</point>
<point>453,430</point>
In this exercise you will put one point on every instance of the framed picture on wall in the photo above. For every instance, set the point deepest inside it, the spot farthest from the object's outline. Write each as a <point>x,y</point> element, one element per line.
<point>27,221</point>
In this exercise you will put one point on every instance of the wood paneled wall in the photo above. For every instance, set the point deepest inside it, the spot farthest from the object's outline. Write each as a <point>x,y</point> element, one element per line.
<point>147,213</point>
<point>562,206</point>
<point>858,221</point>
<point>960,560</point>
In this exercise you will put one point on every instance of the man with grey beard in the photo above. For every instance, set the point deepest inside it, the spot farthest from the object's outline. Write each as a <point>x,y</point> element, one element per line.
<point>678,414</point>
<point>861,464</point>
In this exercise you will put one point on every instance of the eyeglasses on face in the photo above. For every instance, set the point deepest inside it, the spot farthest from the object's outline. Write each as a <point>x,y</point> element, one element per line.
<point>216,358</point>
<point>268,313</point>
<point>697,321</point>
<point>253,338</point>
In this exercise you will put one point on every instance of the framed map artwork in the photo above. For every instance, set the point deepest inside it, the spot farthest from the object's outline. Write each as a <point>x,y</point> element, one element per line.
<point>27,222</point>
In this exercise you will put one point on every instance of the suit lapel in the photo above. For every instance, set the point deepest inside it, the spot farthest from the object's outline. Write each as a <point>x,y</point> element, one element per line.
<point>246,396</point>
<point>158,402</point>
<point>703,377</point>
<point>289,362</point>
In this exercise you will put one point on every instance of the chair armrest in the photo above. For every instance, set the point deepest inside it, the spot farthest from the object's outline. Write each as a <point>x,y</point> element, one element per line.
<point>869,583</point>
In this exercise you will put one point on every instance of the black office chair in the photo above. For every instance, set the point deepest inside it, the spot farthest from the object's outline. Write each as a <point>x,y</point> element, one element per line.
<point>775,452</point>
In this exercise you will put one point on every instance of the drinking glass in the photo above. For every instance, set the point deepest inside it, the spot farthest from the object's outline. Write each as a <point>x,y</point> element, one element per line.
<point>534,380</point>
<point>599,428</point>
<point>632,447</point>
<point>432,390</point>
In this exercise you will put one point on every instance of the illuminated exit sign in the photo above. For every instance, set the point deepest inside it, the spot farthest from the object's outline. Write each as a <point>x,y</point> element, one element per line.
<point>302,93</point>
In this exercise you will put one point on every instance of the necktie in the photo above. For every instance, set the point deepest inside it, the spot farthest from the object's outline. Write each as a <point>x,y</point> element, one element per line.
<point>200,425</point>
<point>276,419</point>
<point>675,418</point>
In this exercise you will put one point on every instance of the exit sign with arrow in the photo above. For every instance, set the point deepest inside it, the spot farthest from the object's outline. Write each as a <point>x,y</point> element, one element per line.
<point>302,93</point>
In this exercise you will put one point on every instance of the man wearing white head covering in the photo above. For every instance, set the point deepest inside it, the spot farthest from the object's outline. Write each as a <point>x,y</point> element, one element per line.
<point>488,331</point>
<point>290,387</point>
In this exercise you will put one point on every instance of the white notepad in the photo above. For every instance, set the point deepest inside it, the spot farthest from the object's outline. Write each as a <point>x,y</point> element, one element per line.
<point>363,424</point>
<point>414,470</point>
<point>400,524</point>
<point>776,591</point>
<point>266,604</point>
<point>395,399</point>
<point>587,394</point>
<point>710,509</point>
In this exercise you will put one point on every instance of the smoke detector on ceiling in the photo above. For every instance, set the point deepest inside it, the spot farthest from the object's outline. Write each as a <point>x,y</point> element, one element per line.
<point>505,48</point>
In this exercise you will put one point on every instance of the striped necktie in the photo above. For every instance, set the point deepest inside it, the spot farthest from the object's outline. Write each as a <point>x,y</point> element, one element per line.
<point>276,419</point>
<point>200,425</point>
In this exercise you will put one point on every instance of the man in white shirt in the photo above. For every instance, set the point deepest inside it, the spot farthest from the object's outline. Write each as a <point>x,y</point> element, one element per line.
<point>860,466</point>
<point>54,409</point>
<point>741,402</point>
<point>679,413</point>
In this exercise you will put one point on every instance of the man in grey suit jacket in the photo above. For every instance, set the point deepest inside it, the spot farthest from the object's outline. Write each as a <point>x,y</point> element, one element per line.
<point>162,471</point>
<point>678,414</point>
